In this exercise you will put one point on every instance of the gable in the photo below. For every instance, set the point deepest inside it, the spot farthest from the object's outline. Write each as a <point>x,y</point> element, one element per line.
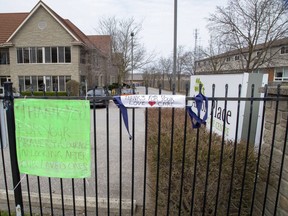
<point>41,29</point>
<point>43,24</point>
<point>53,15</point>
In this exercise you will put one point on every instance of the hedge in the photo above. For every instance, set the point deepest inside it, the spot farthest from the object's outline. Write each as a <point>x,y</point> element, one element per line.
<point>41,93</point>
<point>216,148</point>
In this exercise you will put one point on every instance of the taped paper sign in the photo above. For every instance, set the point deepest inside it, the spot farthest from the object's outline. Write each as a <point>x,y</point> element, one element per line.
<point>53,137</point>
<point>176,101</point>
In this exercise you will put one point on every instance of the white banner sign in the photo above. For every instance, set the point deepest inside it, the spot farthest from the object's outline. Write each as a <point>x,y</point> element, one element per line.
<point>168,101</point>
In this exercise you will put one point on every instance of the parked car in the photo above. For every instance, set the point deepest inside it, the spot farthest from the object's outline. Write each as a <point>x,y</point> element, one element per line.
<point>100,93</point>
<point>129,91</point>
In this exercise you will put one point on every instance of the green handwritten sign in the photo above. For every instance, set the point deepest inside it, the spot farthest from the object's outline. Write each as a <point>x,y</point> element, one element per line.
<point>53,137</point>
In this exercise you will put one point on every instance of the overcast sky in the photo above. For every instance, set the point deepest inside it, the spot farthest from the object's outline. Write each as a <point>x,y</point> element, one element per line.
<point>157,17</point>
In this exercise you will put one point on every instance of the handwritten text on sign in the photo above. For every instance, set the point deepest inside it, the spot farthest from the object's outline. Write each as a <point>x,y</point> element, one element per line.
<point>177,101</point>
<point>53,137</point>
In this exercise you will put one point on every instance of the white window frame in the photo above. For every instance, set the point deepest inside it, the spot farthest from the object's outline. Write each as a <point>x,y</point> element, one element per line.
<point>284,76</point>
<point>285,50</point>
<point>43,55</point>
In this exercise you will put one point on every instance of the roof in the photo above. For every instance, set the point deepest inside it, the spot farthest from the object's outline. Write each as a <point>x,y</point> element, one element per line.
<point>9,22</point>
<point>76,31</point>
<point>102,42</point>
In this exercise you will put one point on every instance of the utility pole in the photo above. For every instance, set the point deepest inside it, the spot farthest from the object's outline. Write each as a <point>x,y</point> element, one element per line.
<point>196,44</point>
<point>175,42</point>
<point>195,50</point>
<point>132,66</point>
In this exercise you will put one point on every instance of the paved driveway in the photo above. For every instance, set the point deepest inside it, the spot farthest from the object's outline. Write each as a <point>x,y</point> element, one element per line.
<point>107,136</point>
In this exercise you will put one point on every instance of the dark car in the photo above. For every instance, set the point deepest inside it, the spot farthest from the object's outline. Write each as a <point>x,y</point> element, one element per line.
<point>100,100</point>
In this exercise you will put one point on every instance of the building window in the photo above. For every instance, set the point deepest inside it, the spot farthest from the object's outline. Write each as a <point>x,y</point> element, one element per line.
<point>34,83</point>
<point>281,74</point>
<point>39,55</point>
<point>61,56</point>
<point>54,54</point>
<point>33,54</point>
<point>21,83</point>
<point>62,83</point>
<point>284,50</point>
<point>228,59</point>
<point>67,54</point>
<point>278,75</point>
<point>28,83</point>
<point>68,78</point>
<point>26,55</point>
<point>237,58</point>
<point>19,55</point>
<point>55,83</point>
<point>44,55</point>
<point>41,83</point>
<point>47,54</point>
<point>4,79</point>
<point>48,83</point>
<point>82,56</point>
<point>4,56</point>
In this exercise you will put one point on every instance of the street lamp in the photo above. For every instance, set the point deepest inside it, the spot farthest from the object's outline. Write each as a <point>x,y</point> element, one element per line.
<point>132,36</point>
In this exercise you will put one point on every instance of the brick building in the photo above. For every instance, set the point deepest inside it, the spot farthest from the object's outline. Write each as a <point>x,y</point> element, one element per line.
<point>275,61</point>
<point>41,50</point>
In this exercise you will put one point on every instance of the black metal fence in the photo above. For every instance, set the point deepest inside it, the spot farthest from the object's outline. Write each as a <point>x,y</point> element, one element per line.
<point>167,168</point>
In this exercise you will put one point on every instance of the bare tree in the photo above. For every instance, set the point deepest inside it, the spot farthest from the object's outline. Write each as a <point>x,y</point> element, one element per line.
<point>244,24</point>
<point>124,43</point>
<point>212,55</point>
<point>189,59</point>
<point>165,68</point>
<point>152,76</point>
<point>185,66</point>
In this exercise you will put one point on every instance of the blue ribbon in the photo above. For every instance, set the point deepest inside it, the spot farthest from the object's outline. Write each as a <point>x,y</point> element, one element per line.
<point>123,109</point>
<point>199,99</point>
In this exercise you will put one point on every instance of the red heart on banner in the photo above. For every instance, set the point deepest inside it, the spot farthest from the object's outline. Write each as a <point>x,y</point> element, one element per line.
<point>152,103</point>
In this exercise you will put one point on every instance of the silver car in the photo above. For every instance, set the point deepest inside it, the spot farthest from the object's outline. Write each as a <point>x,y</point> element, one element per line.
<point>99,100</point>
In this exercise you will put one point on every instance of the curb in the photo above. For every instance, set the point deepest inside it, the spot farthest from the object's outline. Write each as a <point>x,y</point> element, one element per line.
<point>68,201</point>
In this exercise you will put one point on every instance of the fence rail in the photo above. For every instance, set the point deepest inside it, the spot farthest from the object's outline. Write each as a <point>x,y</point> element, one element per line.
<point>168,168</point>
